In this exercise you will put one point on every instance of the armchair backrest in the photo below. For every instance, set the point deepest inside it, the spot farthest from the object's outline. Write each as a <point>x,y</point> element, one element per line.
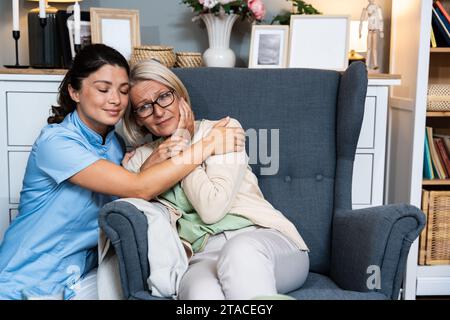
<point>311,121</point>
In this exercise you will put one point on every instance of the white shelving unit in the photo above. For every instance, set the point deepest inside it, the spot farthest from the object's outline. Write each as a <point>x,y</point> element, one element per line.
<point>410,57</point>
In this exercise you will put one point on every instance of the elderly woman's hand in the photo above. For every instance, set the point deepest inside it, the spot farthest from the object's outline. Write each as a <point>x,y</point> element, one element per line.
<point>186,125</point>
<point>127,157</point>
<point>171,147</point>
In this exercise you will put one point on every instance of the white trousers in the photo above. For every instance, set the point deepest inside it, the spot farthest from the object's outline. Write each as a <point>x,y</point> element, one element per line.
<point>86,289</point>
<point>244,264</point>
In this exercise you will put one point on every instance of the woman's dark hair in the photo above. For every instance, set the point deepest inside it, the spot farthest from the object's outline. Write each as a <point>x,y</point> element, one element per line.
<point>87,61</point>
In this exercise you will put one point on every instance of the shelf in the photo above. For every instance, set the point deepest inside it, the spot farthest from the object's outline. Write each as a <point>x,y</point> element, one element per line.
<point>439,50</point>
<point>433,280</point>
<point>436,182</point>
<point>438,113</point>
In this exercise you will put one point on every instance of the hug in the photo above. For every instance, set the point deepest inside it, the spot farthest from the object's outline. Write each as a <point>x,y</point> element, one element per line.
<point>187,212</point>
<point>238,244</point>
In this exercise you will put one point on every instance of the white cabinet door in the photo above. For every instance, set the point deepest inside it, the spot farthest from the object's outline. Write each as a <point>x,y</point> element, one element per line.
<point>367,136</point>
<point>27,115</point>
<point>362,180</point>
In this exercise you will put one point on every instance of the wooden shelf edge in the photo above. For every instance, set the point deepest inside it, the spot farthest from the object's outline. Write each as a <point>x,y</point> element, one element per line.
<point>438,113</point>
<point>442,50</point>
<point>436,182</point>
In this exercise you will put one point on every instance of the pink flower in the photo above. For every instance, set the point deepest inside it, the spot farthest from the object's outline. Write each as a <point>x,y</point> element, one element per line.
<point>258,9</point>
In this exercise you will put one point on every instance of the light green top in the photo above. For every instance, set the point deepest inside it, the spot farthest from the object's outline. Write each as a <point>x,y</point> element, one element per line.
<point>191,227</point>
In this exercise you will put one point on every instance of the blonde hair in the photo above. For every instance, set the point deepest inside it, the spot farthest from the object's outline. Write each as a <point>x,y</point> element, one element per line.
<point>144,71</point>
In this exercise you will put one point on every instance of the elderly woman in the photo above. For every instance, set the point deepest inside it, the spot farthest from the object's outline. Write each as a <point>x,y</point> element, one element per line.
<point>239,245</point>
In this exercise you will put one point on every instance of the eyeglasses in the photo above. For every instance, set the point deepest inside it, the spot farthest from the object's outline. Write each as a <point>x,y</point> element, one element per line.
<point>164,100</point>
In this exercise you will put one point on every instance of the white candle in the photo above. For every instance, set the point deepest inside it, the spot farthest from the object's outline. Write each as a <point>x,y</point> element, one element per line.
<point>42,9</point>
<point>77,23</point>
<point>15,10</point>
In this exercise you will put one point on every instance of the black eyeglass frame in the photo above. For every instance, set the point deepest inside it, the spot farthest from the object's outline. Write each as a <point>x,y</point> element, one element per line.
<point>147,105</point>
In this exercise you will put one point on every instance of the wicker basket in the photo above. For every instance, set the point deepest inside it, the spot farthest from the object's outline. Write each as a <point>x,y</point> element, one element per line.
<point>435,237</point>
<point>163,54</point>
<point>438,97</point>
<point>188,60</point>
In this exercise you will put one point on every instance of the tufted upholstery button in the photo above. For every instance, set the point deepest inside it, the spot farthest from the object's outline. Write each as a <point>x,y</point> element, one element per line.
<point>287,179</point>
<point>319,177</point>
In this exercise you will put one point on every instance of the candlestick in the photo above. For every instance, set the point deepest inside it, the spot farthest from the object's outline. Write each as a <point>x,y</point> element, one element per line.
<point>77,23</point>
<point>42,7</point>
<point>16,36</point>
<point>15,10</point>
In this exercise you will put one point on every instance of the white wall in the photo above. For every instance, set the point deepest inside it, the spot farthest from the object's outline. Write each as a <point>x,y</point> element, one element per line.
<point>169,22</point>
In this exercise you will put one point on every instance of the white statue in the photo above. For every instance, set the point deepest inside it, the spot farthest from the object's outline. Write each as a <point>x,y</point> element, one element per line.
<point>372,13</point>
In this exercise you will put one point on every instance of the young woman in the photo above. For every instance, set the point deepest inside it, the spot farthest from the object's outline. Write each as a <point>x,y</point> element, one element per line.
<point>239,246</point>
<point>73,170</point>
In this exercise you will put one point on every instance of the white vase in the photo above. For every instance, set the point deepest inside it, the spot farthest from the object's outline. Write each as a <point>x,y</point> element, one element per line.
<point>219,28</point>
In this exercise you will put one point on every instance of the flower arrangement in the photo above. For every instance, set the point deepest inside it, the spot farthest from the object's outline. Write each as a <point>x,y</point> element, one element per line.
<point>252,10</point>
<point>300,7</point>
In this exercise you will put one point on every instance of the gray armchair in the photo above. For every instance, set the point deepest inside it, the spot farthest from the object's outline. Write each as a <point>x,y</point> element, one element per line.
<point>355,254</point>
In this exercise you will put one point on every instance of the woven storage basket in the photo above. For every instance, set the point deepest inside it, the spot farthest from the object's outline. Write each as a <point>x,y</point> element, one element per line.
<point>435,237</point>
<point>188,60</point>
<point>163,54</point>
<point>438,97</point>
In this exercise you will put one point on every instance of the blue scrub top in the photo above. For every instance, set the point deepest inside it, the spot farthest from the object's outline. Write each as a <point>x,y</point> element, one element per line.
<point>53,240</point>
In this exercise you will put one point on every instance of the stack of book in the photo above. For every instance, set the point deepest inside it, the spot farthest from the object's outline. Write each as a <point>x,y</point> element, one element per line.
<point>436,155</point>
<point>440,26</point>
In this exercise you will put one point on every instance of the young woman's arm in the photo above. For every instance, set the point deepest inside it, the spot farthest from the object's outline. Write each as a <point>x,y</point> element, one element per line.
<point>212,190</point>
<point>106,177</point>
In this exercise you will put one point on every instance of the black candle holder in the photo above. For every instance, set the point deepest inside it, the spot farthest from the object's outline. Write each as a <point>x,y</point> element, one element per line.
<point>16,36</point>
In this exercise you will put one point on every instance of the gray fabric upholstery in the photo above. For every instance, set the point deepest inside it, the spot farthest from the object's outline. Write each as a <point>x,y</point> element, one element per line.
<point>319,115</point>
<point>320,287</point>
<point>126,227</point>
<point>378,236</point>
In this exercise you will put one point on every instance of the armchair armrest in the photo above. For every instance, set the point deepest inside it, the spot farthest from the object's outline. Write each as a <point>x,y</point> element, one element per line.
<point>370,247</point>
<point>126,227</point>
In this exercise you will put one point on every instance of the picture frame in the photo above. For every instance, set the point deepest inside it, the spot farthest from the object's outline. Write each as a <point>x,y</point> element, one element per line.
<point>118,28</point>
<point>85,34</point>
<point>66,37</point>
<point>319,41</point>
<point>269,46</point>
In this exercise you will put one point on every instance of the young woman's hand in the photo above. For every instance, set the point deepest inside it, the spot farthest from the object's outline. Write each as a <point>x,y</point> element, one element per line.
<point>222,139</point>
<point>169,148</point>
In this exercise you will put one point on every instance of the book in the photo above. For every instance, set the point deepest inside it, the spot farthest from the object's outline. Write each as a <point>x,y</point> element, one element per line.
<point>437,165</point>
<point>427,164</point>
<point>441,33</point>
<point>445,137</point>
<point>443,153</point>
<point>443,20</point>
<point>433,39</point>
<point>443,11</point>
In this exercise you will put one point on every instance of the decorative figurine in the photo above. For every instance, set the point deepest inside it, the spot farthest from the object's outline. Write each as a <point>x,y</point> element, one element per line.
<point>372,13</point>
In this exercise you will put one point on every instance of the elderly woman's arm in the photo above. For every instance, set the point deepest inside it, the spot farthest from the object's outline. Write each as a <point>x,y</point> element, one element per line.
<point>212,189</point>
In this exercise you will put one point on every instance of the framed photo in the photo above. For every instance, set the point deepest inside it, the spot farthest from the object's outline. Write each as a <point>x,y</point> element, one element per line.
<point>117,28</point>
<point>268,46</point>
<point>319,41</point>
<point>65,31</point>
<point>85,34</point>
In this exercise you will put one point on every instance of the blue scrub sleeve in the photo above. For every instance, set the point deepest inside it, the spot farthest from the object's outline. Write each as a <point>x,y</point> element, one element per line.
<point>63,156</point>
